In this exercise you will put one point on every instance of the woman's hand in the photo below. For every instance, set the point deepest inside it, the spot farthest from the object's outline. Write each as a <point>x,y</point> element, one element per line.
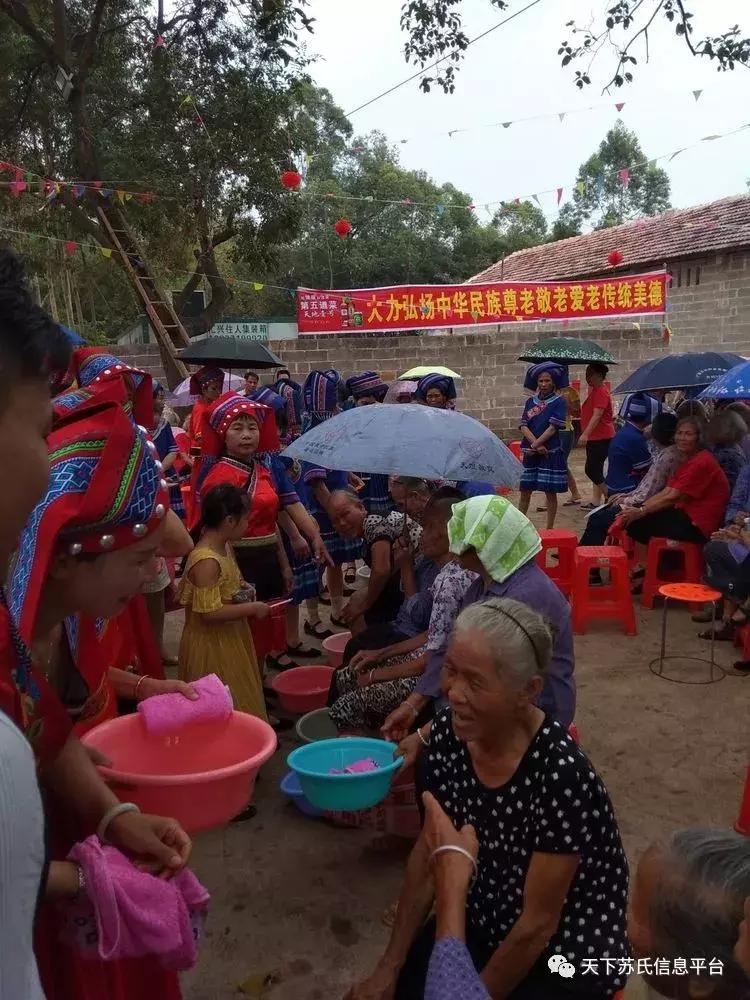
<point>354,608</point>
<point>629,515</point>
<point>364,659</point>
<point>257,610</point>
<point>355,483</point>
<point>396,726</point>
<point>322,556</point>
<point>409,748</point>
<point>300,548</point>
<point>402,553</point>
<point>582,441</point>
<point>540,449</point>
<point>96,756</point>
<point>156,844</point>
<point>151,686</point>
<point>62,880</point>
<point>439,831</point>
<point>381,985</point>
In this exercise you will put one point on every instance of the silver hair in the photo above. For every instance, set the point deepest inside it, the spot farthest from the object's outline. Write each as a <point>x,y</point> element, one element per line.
<point>520,639</point>
<point>412,484</point>
<point>348,495</point>
<point>697,909</point>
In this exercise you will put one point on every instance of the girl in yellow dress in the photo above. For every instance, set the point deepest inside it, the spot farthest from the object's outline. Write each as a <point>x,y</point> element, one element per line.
<point>216,638</point>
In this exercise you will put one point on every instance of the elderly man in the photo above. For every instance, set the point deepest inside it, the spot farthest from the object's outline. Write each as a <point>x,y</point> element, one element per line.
<point>380,534</point>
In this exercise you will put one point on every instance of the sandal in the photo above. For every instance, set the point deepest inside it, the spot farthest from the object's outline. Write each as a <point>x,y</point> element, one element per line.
<point>313,630</point>
<point>339,623</point>
<point>350,576</point>
<point>742,667</point>
<point>589,506</point>
<point>723,634</point>
<point>274,663</point>
<point>299,651</point>
<point>572,503</point>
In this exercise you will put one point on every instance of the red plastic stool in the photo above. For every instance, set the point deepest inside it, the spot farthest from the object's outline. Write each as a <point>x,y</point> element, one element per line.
<point>742,641</point>
<point>693,566</point>
<point>693,594</point>
<point>618,536</point>
<point>743,820</point>
<point>564,543</point>
<point>611,601</point>
<point>515,447</point>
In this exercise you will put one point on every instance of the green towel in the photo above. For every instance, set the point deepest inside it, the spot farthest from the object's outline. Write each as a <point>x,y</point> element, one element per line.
<point>503,537</point>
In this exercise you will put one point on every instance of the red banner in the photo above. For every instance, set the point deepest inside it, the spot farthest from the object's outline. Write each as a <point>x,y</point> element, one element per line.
<point>421,307</point>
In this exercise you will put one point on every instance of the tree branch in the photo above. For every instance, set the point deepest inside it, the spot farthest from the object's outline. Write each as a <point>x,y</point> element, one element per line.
<point>89,43</point>
<point>623,55</point>
<point>19,12</point>
<point>81,220</point>
<point>59,17</point>
<point>28,83</point>
<point>686,25</point>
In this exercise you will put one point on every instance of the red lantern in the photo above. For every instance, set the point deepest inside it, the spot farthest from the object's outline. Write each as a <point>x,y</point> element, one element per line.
<point>291,179</point>
<point>615,258</point>
<point>343,227</point>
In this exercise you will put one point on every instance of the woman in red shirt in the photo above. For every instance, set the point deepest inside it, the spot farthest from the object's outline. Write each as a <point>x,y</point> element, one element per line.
<point>692,504</point>
<point>598,429</point>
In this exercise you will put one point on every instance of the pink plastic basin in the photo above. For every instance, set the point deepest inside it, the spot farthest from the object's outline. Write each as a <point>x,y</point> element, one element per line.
<point>202,776</point>
<point>303,689</point>
<point>334,646</point>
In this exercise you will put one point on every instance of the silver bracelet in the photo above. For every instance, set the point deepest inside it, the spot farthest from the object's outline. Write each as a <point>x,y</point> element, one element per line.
<point>454,848</point>
<point>370,677</point>
<point>113,813</point>
<point>425,743</point>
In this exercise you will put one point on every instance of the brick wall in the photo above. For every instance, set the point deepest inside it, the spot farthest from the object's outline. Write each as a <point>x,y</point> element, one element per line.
<point>709,310</point>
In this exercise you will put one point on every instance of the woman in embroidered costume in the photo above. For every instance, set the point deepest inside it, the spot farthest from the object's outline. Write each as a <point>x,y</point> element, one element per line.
<point>31,350</point>
<point>234,432</point>
<point>207,384</point>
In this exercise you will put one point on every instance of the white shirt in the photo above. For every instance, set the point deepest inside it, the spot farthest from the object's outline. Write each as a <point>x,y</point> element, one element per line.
<point>21,862</point>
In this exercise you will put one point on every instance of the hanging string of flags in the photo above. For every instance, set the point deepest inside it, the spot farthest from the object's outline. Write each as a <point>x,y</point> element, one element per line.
<point>30,182</point>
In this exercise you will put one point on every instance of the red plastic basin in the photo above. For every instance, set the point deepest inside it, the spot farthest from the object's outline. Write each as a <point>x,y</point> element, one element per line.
<point>202,776</point>
<point>303,689</point>
<point>334,647</point>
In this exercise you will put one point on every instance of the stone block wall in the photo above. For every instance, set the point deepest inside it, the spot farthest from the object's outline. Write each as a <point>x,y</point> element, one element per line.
<point>709,309</point>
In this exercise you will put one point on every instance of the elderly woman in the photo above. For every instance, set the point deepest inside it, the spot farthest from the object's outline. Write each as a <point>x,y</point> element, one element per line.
<point>691,507</point>
<point>687,905</point>
<point>436,390</point>
<point>381,600</point>
<point>500,544</point>
<point>725,433</point>
<point>544,416</point>
<point>551,876</point>
<point>377,681</point>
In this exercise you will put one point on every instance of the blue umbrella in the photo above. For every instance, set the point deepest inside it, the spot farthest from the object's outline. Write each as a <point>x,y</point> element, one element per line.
<point>409,440</point>
<point>679,371</point>
<point>734,384</point>
<point>75,339</point>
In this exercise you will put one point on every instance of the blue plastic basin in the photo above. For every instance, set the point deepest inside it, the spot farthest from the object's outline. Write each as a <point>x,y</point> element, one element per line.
<point>291,787</point>
<point>345,792</point>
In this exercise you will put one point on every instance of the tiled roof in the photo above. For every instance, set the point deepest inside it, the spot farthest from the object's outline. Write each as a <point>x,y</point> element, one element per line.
<point>715,227</point>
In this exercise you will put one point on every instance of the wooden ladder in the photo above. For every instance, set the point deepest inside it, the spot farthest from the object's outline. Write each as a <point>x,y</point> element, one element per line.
<point>169,332</point>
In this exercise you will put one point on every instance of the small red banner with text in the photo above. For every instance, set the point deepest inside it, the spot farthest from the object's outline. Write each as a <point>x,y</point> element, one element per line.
<point>422,307</point>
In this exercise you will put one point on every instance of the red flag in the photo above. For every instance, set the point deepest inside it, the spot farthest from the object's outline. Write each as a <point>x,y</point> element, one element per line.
<point>624,176</point>
<point>559,195</point>
<point>620,106</point>
<point>16,187</point>
<point>70,247</point>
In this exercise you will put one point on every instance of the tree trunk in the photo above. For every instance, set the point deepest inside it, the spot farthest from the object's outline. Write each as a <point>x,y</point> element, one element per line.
<point>53,310</point>
<point>68,299</point>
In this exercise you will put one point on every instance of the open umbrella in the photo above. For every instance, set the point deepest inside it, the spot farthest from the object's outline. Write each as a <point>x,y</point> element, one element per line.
<point>409,440</point>
<point>734,384</point>
<point>181,395</point>
<point>231,352</point>
<point>421,370</point>
<point>567,351</point>
<point>404,387</point>
<point>679,371</point>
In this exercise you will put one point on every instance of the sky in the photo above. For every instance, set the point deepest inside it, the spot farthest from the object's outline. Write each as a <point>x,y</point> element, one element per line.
<point>515,72</point>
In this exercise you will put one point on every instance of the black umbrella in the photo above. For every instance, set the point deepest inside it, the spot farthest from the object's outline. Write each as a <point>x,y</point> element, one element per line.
<point>679,371</point>
<point>230,352</point>
<point>567,351</point>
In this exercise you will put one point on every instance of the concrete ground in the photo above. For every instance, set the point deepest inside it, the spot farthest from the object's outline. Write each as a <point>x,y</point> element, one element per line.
<point>297,903</point>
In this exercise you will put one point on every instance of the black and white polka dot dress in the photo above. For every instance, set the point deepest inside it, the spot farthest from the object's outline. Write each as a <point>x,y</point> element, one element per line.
<point>555,803</point>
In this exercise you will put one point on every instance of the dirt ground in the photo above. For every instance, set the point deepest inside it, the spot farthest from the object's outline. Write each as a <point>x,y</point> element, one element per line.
<point>298,903</point>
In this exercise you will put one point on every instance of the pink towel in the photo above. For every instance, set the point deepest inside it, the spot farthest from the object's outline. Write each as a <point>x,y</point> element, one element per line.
<point>358,767</point>
<point>169,713</point>
<point>130,913</point>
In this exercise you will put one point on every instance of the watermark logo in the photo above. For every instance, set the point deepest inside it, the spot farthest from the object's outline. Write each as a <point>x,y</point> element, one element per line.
<point>641,966</point>
<point>560,965</point>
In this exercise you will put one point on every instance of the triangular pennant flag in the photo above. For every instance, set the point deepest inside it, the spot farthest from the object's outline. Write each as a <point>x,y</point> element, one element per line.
<point>187,100</point>
<point>5,166</point>
<point>507,124</point>
<point>128,196</point>
<point>19,173</point>
<point>258,286</point>
<point>159,42</point>
<point>472,208</point>
<point>561,116</point>
<point>536,199</point>
<point>600,184</point>
<point>78,190</point>
<point>121,197</point>
<point>105,251</point>
<point>623,176</point>
<point>710,138</point>
<point>16,187</point>
<point>559,195</point>
<point>30,178</point>
<point>516,201</point>
<point>106,192</point>
<point>96,185</point>
<point>620,106</point>
<point>439,208</point>
<point>70,247</point>
<point>697,94</point>
<point>676,154</point>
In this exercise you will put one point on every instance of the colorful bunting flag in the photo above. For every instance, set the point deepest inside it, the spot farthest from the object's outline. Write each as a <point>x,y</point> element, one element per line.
<point>106,192</point>
<point>121,197</point>
<point>105,251</point>
<point>536,199</point>
<point>623,176</point>
<point>187,100</point>
<point>439,208</point>
<point>507,124</point>
<point>258,286</point>
<point>78,190</point>
<point>676,154</point>
<point>70,247</point>
<point>697,94</point>
<point>159,42</point>
<point>559,195</point>
<point>16,187</point>
<point>561,116</point>
<point>620,106</point>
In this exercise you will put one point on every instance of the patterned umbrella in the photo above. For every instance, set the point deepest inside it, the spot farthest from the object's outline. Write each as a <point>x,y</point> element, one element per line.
<point>734,384</point>
<point>567,351</point>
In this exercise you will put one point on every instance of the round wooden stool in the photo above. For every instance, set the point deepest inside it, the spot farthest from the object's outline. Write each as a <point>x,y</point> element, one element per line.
<point>687,593</point>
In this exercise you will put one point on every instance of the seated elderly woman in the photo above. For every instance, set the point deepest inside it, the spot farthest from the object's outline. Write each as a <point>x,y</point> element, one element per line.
<point>380,533</point>
<point>552,877</point>
<point>665,463</point>
<point>725,433</point>
<point>691,506</point>
<point>500,544</point>
<point>376,681</point>
<point>687,905</point>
